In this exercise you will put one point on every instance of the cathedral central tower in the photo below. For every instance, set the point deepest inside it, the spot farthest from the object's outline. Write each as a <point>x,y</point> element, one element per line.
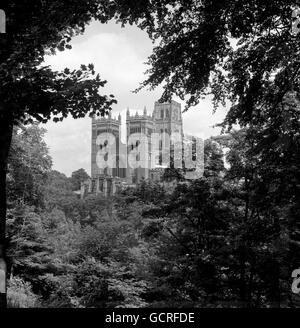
<point>168,124</point>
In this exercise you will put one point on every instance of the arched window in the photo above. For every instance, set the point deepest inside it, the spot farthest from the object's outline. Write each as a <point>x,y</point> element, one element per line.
<point>160,144</point>
<point>175,114</point>
<point>160,159</point>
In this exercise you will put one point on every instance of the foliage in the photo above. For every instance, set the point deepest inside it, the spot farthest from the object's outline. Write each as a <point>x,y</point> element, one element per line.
<point>243,52</point>
<point>228,239</point>
<point>78,177</point>
<point>29,165</point>
<point>20,294</point>
<point>34,90</point>
<point>31,91</point>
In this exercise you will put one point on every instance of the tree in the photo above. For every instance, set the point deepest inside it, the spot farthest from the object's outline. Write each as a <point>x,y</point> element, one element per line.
<point>245,52</point>
<point>172,174</point>
<point>29,253</point>
<point>31,91</point>
<point>253,183</point>
<point>213,158</point>
<point>77,177</point>
<point>29,164</point>
<point>58,192</point>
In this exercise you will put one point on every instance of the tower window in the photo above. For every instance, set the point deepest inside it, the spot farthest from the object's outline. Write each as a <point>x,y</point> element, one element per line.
<point>160,144</point>
<point>175,114</point>
<point>162,113</point>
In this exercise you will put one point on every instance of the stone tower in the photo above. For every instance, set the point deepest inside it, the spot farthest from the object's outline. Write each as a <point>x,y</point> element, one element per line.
<point>168,120</point>
<point>142,125</point>
<point>101,126</point>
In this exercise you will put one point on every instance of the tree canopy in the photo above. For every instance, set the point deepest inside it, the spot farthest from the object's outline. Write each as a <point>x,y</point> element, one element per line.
<point>31,90</point>
<point>247,52</point>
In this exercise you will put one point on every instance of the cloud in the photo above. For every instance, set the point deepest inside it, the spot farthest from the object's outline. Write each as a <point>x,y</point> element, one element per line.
<point>114,55</point>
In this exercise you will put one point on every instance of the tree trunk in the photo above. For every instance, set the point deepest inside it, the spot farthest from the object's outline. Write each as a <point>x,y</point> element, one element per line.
<point>244,248</point>
<point>276,290</point>
<point>242,264</point>
<point>6,128</point>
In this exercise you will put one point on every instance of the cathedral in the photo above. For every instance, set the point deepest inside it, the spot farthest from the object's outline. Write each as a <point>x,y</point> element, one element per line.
<point>165,120</point>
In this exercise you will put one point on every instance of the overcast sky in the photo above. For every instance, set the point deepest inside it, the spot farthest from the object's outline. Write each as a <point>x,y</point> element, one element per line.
<point>119,55</point>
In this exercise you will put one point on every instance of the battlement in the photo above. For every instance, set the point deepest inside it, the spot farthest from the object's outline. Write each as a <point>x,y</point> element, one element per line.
<point>172,102</point>
<point>138,117</point>
<point>107,120</point>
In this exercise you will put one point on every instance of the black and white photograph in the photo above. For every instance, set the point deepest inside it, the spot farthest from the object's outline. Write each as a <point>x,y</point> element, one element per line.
<point>149,156</point>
